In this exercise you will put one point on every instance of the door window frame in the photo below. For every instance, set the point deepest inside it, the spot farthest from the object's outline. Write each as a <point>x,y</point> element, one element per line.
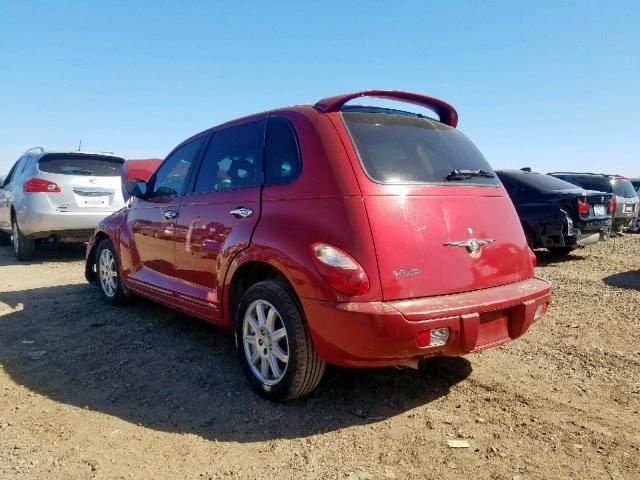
<point>192,168</point>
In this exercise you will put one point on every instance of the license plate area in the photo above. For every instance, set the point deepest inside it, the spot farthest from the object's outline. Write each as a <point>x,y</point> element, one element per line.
<point>598,210</point>
<point>493,328</point>
<point>628,208</point>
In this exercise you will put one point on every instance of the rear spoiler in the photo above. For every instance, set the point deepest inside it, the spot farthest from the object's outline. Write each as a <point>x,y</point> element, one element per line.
<point>446,112</point>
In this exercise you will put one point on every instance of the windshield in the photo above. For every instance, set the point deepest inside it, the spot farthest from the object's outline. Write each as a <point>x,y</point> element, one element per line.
<point>407,148</point>
<point>81,164</point>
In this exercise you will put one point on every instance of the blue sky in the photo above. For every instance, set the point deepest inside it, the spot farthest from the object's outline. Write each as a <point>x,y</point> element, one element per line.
<point>551,85</point>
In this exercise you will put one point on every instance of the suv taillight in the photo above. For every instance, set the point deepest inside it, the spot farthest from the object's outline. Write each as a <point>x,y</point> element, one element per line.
<point>34,184</point>
<point>339,269</point>
<point>583,208</point>
<point>612,205</point>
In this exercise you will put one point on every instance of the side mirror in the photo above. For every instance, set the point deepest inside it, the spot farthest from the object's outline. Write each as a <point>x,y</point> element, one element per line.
<point>136,188</point>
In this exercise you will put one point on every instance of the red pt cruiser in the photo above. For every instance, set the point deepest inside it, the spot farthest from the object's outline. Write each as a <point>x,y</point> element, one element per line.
<point>352,235</point>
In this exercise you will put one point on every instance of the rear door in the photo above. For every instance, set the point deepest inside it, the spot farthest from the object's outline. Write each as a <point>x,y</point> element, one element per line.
<point>436,231</point>
<point>151,221</point>
<point>217,218</point>
<point>87,182</point>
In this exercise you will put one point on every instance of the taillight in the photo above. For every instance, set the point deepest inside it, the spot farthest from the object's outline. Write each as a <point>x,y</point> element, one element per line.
<point>339,269</point>
<point>34,184</point>
<point>534,259</point>
<point>612,205</point>
<point>583,208</point>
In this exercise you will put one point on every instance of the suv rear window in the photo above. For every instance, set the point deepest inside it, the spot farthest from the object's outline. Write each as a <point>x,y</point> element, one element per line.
<point>618,186</point>
<point>624,188</point>
<point>407,148</point>
<point>539,181</point>
<point>81,164</point>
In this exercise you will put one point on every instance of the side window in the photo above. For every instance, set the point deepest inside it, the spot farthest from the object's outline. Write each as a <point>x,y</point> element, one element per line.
<point>12,172</point>
<point>233,159</point>
<point>282,155</point>
<point>171,177</point>
<point>25,163</point>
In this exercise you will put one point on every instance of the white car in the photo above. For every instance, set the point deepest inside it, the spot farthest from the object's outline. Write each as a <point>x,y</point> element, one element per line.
<point>59,196</point>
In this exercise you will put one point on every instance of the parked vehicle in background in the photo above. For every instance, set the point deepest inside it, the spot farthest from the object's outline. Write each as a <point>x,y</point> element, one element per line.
<point>57,196</point>
<point>350,235</point>
<point>636,184</point>
<point>138,168</point>
<point>555,214</point>
<point>625,197</point>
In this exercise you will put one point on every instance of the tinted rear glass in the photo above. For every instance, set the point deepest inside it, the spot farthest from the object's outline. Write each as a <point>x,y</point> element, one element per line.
<point>404,148</point>
<point>81,164</point>
<point>599,184</point>
<point>540,181</point>
<point>624,188</point>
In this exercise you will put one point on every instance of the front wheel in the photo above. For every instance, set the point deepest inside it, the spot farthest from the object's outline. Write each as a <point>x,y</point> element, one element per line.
<point>274,344</point>
<point>108,272</point>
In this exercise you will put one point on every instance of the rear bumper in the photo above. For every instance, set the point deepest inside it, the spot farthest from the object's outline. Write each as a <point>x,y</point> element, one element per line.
<point>370,334</point>
<point>38,224</point>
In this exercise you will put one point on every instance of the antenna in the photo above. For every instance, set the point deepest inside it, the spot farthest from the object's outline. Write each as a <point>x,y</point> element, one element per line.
<point>80,145</point>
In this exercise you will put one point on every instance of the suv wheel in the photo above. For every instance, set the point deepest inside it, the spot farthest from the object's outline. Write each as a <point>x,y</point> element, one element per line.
<point>24,247</point>
<point>274,344</point>
<point>108,273</point>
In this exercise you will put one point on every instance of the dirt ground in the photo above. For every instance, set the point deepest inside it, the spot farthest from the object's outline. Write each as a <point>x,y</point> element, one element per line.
<point>90,391</point>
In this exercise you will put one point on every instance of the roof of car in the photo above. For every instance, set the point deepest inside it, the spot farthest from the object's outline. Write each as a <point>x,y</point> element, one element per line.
<point>40,152</point>
<point>607,175</point>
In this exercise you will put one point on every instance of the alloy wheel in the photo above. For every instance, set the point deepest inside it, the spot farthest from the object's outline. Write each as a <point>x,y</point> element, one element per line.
<point>108,272</point>
<point>265,341</point>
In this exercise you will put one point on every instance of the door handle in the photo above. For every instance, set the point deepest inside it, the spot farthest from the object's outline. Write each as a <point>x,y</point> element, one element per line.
<point>241,212</point>
<point>170,214</point>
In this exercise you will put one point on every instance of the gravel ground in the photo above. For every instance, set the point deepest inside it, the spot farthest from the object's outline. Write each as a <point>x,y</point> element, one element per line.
<point>90,391</point>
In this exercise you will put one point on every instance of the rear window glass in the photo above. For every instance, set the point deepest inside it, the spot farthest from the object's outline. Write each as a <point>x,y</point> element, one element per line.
<point>599,184</point>
<point>81,164</point>
<point>540,181</point>
<point>405,148</point>
<point>624,188</point>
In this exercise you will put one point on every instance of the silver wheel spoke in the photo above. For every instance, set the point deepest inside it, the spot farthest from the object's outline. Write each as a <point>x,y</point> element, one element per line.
<point>264,368</point>
<point>278,335</point>
<point>271,318</point>
<point>279,354</point>
<point>275,368</point>
<point>262,320</point>
<point>255,356</point>
<point>253,322</point>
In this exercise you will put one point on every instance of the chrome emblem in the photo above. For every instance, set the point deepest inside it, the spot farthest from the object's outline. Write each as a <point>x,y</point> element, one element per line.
<point>472,245</point>
<point>93,180</point>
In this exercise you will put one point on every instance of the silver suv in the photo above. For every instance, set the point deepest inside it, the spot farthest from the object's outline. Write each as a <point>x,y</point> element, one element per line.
<point>59,196</point>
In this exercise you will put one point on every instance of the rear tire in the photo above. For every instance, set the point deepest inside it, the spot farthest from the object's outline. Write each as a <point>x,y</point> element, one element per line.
<point>24,247</point>
<point>108,274</point>
<point>5,239</point>
<point>274,344</point>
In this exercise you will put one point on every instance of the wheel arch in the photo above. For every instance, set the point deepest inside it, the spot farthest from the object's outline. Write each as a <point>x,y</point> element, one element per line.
<point>90,262</point>
<point>246,270</point>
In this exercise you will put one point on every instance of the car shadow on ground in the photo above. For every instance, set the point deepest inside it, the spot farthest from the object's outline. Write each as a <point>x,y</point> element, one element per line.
<point>152,366</point>
<point>630,280</point>
<point>46,252</point>
<point>545,257</point>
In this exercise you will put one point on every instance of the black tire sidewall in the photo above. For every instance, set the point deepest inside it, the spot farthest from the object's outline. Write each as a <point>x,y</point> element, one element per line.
<point>26,246</point>
<point>278,296</point>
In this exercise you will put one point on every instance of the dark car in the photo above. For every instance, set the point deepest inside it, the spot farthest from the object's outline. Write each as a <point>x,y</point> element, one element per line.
<point>556,214</point>
<point>625,198</point>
